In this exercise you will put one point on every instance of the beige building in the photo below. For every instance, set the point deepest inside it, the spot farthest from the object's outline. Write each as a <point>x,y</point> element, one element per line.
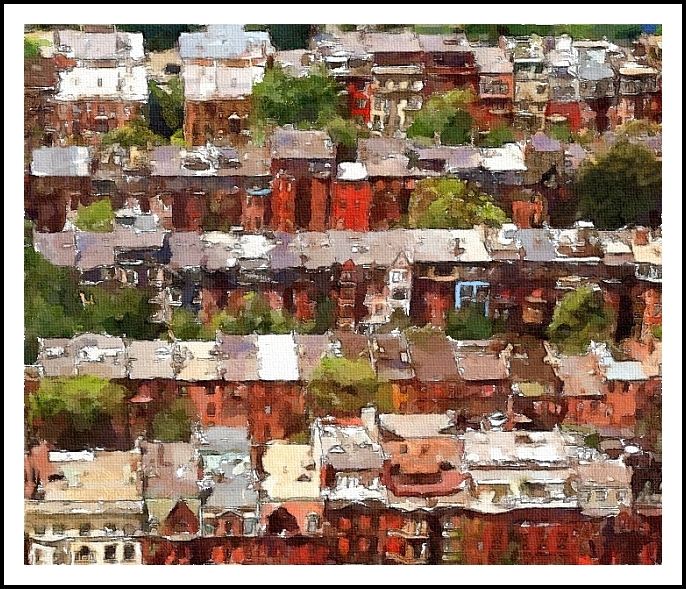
<point>89,511</point>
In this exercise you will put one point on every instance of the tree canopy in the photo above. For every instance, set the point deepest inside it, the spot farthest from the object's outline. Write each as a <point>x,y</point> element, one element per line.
<point>166,107</point>
<point>286,37</point>
<point>346,386</point>
<point>173,424</point>
<point>581,317</point>
<point>446,115</point>
<point>283,99</point>
<point>448,203</point>
<point>53,306</point>
<point>76,411</point>
<point>97,216</point>
<point>159,37</point>
<point>621,188</point>
<point>469,322</point>
<point>135,133</point>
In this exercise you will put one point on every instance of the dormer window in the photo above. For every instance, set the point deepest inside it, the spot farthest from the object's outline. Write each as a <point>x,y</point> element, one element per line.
<point>99,82</point>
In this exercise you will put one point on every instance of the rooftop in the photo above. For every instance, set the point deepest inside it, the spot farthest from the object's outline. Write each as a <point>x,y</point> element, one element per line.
<point>218,82</point>
<point>117,83</point>
<point>61,161</point>
<point>497,448</point>
<point>99,46</point>
<point>277,357</point>
<point>224,42</point>
<point>416,426</point>
<point>292,473</point>
<point>293,144</point>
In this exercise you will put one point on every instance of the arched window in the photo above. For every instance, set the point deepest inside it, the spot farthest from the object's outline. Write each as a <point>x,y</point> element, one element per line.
<point>84,554</point>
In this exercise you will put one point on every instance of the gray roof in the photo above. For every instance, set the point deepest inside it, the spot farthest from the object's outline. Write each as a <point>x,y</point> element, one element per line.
<point>150,359</point>
<point>222,42</point>
<point>541,142</point>
<point>492,60</point>
<point>239,357</point>
<point>538,245</point>
<point>61,161</point>
<point>349,447</point>
<point>225,440</point>
<point>168,161</point>
<point>58,248</point>
<point>293,144</point>
<point>592,70</point>
<point>444,43</point>
<point>84,355</point>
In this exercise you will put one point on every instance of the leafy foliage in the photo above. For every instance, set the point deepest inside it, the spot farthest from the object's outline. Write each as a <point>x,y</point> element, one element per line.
<point>286,37</point>
<point>639,128</point>
<point>135,133</point>
<point>97,216</point>
<point>469,322</point>
<point>283,99</point>
<point>166,107</point>
<point>620,188</point>
<point>498,137</point>
<point>345,386</point>
<point>53,307</point>
<point>159,37</point>
<point>32,47</point>
<point>595,32</point>
<point>581,317</point>
<point>174,424</point>
<point>75,408</point>
<point>448,203</point>
<point>560,131</point>
<point>447,115</point>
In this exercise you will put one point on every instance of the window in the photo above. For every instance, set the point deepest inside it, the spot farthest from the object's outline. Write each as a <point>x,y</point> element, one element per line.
<point>38,557</point>
<point>249,526</point>
<point>312,523</point>
<point>211,410</point>
<point>99,82</point>
<point>403,448</point>
<point>268,410</point>
<point>110,529</point>
<point>398,275</point>
<point>601,495</point>
<point>183,392</point>
<point>39,530</point>
<point>111,553</point>
<point>129,552</point>
<point>361,104</point>
<point>85,530</point>
<point>57,529</point>
<point>209,390</point>
<point>399,294</point>
<point>84,554</point>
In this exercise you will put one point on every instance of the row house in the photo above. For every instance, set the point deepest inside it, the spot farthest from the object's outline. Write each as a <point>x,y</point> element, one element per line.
<point>640,94</point>
<point>496,87</point>
<point>98,99</point>
<point>60,178</point>
<point>217,102</point>
<point>40,82</point>
<point>126,255</point>
<point>602,392</point>
<point>302,165</point>
<point>213,188</point>
<point>87,509</point>
<point>449,63</point>
<point>220,66</point>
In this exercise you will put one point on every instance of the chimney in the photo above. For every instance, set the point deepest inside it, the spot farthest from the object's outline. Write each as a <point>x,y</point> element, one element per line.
<point>368,416</point>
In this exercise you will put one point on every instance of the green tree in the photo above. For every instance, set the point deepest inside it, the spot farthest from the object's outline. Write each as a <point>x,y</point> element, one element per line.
<point>560,131</point>
<point>134,133</point>
<point>166,107</point>
<point>448,203</point>
<point>159,37</point>
<point>620,188</point>
<point>120,310</point>
<point>344,134</point>
<point>469,322</point>
<point>343,386</point>
<point>581,317</point>
<point>498,137</point>
<point>286,37</point>
<point>282,99</point>
<point>175,423</point>
<point>32,47</point>
<point>51,302</point>
<point>76,411</point>
<point>447,115</point>
<point>97,216</point>
<point>398,321</point>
